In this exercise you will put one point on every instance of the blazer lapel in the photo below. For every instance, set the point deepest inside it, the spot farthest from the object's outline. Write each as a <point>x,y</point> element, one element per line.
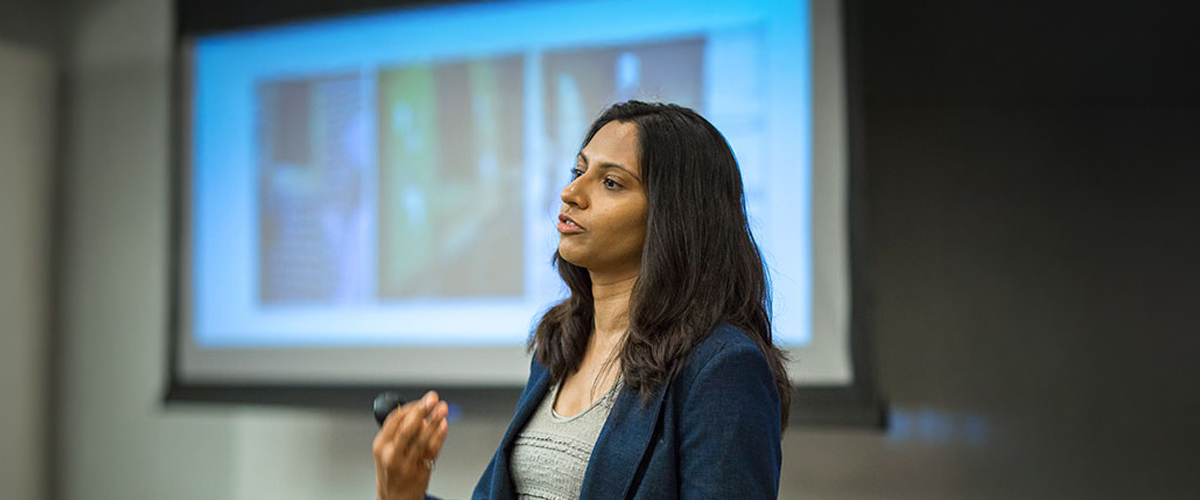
<point>502,487</point>
<point>622,442</point>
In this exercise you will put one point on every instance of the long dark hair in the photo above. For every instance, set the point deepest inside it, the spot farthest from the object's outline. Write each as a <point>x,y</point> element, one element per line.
<point>700,264</point>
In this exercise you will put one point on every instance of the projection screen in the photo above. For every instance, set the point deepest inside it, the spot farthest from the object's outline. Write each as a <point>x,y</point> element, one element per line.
<point>370,199</point>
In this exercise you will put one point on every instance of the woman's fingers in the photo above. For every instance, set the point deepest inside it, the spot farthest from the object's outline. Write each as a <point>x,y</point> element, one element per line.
<point>429,430</point>
<point>402,467</point>
<point>412,423</point>
<point>439,437</point>
<point>399,429</point>
<point>392,422</point>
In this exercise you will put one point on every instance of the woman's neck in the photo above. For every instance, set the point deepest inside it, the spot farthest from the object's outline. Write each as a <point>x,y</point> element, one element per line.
<point>610,301</point>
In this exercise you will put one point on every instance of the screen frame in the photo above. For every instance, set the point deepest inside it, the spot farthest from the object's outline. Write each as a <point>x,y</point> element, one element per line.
<point>858,404</point>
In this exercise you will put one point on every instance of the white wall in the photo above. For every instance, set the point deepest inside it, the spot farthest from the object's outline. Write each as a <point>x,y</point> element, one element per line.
<point>115,440</point>
<point>27,92</point>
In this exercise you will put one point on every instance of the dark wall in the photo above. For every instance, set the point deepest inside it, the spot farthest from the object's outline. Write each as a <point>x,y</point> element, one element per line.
<point>31,23</point>
<point>1034,240</point>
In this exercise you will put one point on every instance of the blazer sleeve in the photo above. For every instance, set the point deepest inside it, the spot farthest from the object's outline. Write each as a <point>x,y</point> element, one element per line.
<point>729,434</point>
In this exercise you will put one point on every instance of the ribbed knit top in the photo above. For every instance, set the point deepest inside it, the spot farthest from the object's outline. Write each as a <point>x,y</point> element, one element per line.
<point>551,454</point>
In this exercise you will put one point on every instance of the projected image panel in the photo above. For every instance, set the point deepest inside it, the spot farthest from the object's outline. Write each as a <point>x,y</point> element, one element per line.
<point>313,163</point>
<point>450,164</point>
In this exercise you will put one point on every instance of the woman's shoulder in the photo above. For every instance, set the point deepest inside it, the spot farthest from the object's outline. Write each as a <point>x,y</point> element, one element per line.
<point>724,337</point>
<point>727,350</point>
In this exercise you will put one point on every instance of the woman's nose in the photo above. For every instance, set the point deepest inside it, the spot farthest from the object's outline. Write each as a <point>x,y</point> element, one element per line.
<point>573,194</point>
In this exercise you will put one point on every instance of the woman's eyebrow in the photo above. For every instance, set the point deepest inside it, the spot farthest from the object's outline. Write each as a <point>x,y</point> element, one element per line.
<point>607,164</point>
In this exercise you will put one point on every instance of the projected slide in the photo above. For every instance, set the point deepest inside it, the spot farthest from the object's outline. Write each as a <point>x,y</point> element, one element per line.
<point>394,179</point>
<point>450,175</point>
<point>312,211</point>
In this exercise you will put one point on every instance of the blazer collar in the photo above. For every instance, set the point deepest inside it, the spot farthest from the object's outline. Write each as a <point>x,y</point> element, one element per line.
<point>616,455</point>
<point>622,443</point>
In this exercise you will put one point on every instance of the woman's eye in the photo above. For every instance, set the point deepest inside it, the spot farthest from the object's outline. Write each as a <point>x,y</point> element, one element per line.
<point>575,173</point>
<point>611,184</point>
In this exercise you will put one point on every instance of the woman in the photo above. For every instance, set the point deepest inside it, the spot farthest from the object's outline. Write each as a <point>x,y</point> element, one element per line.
<point>657,378</point>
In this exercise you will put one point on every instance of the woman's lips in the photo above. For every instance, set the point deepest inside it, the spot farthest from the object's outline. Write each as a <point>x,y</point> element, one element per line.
<point>568,226</point>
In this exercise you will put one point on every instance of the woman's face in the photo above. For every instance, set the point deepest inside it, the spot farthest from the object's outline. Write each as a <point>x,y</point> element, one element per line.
<point>602,224</point>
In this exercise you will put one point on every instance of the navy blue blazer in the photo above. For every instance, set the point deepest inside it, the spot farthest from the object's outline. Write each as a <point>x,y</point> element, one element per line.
<point>713,432</point>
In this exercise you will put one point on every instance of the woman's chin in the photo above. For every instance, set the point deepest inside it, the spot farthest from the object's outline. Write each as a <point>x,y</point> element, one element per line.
<point>571,257</point>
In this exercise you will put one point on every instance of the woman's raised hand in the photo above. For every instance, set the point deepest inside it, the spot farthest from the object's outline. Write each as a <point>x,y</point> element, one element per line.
<point>407,446</point>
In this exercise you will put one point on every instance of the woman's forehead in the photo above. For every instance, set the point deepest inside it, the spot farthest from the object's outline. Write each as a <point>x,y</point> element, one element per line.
<point>615,142</point>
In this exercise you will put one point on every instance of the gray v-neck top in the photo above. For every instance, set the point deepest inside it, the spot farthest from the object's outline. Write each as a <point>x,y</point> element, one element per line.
<point>551,454</point>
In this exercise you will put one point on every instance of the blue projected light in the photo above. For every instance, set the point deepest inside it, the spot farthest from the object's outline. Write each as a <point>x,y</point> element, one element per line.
<point>393,179</point>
